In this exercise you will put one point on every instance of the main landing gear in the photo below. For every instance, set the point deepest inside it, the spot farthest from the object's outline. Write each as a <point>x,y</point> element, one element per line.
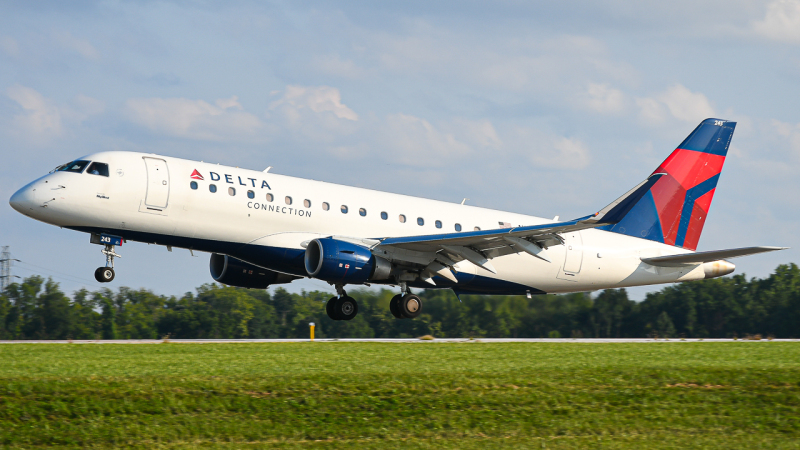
<point>106,274</point>
<point>341,307</point>
<point>405,305</point>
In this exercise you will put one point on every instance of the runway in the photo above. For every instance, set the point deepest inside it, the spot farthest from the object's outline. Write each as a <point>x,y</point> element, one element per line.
<point>398,341</point>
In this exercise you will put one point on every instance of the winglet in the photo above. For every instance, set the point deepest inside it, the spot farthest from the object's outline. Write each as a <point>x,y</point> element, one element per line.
<point>617,210</point>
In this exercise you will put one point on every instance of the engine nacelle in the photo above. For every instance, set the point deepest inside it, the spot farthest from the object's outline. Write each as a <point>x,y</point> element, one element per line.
<point>235,272</point>
<point>338,261</point>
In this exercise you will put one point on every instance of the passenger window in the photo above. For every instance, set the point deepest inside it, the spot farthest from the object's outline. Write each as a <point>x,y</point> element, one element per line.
<point>307,203</point>
<point>384,216</point>
<point>362,212</point>
<point>193,185</point>
<point>477,228</point>
<point>420,221</point>
<point>231,191</point>
<point>325,206</point>
<point>438,224</point>
<point>212,187</point>
<point>98,168</point>
<point>251,194</point>
<point>402,218</point>
<point>74,166</point>
<point>288,200</point>
<point>458,227</point>
<point>270,197</point>
<point>344,209</point>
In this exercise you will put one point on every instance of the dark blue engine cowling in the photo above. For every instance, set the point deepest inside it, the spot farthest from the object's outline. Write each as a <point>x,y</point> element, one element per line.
<point>235,272</point>
<point>342,262</point>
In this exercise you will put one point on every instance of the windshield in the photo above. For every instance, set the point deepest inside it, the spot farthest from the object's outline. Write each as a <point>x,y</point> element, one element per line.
<point>74,166</point>
<point>98,168</point>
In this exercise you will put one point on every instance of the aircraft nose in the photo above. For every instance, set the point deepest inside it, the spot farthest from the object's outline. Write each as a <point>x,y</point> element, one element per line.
<point>24,199</point>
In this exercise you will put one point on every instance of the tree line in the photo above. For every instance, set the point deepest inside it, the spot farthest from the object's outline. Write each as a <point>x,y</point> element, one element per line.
<point>734,306</point>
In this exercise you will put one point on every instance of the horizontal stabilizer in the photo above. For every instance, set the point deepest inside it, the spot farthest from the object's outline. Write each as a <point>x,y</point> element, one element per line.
<point>704,257</point>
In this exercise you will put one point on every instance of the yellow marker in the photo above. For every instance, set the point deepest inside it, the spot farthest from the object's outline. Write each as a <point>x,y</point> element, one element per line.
<point>311,326</point>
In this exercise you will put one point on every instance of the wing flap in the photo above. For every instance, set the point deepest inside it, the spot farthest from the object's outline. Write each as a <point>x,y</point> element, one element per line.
<point>704,257</point>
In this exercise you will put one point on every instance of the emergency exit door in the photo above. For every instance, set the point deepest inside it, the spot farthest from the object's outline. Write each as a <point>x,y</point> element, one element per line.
<point>157,195</point>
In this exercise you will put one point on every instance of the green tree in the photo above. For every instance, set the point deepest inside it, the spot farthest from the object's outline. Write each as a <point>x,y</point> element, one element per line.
<point>664,325</point>
<point>108,327</point>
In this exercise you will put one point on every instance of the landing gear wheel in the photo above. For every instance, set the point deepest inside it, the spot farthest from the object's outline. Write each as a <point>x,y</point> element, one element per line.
<point>329,308</point>
<point>104,274</point>
<point>394,306</point>
<point>410,306</point>
<point>346,308</point>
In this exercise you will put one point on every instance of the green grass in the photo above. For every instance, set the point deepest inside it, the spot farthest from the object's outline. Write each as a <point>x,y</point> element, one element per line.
<point>420,395</point>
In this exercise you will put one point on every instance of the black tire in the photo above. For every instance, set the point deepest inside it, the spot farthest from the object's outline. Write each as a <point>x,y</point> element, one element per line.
<point>394,306</point>
<point>104,274</point>
<point>410,306</point>
<point>330,308</point>
<point>346,307</point>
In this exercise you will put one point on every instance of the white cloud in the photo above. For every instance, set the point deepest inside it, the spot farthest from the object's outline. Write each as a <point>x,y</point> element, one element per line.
<point>9,45</point>
<point>603,99</point>
<point>40,118</point>
<point>78,45</point>
<point>88,106</point>
<point>193,119</point>
<point>481,133</point>
<point>546,150</point>
<point>781,22</point>
<point>686,105</point>
<point>415,142</point>
<point>335,65</point>
<point>651,110</point>
<point>677,102</point>
<point>791,134</point>
<point>319,99</point>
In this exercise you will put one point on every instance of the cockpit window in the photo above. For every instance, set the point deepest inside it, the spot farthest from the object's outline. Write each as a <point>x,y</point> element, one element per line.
<point>98,168</point>
<point>75,166</point>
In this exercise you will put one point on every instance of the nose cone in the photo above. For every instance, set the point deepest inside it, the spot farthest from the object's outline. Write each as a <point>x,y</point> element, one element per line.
<point>24,199</point>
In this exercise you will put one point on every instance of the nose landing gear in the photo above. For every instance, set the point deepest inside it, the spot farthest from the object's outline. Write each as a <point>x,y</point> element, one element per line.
<point>106,274</point>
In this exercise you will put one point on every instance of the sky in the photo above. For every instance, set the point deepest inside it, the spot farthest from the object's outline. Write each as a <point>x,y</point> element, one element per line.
<point>541,108</point>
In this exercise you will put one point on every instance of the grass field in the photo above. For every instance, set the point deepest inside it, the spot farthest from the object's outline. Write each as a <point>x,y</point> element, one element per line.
<point>373,395</point>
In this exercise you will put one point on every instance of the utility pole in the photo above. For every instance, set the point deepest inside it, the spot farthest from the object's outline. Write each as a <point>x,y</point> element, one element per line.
<point>5,269</point>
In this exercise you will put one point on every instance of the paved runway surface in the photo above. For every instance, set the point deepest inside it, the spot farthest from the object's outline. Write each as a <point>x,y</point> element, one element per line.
<point>396,341</point>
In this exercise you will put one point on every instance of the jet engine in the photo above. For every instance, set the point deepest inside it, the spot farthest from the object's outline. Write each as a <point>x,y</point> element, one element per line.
<point>338,261</point>
<point>235,272</point>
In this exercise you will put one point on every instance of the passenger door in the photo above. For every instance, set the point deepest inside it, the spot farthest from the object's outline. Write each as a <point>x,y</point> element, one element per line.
<point>157,197</point>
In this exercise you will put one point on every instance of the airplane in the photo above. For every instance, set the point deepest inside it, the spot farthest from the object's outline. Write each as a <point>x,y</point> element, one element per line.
<point>263,228</point>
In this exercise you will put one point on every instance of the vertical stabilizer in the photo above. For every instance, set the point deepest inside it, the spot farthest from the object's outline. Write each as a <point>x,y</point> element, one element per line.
<point>675,209</point>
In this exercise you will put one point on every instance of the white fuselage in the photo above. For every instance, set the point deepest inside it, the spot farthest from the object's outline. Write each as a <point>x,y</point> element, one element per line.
<point>150,198</point>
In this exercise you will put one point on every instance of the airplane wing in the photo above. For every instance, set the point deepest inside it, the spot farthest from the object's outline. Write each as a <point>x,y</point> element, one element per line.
<point>704,257</point>
<point>479,247</point>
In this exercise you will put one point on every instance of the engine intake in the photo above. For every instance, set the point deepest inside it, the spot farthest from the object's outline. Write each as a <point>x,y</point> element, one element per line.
<point>342,262</point>
<point>235,272</point>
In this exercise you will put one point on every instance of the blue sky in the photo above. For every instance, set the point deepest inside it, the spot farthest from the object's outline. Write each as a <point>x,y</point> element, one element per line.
<point>534,107</point>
